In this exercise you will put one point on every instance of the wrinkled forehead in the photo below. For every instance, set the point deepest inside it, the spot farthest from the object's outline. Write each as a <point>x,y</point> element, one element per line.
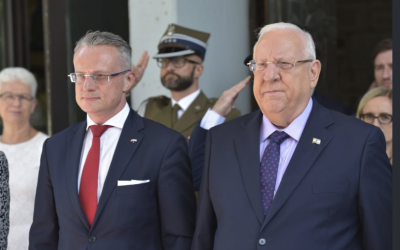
<point>286,45</point>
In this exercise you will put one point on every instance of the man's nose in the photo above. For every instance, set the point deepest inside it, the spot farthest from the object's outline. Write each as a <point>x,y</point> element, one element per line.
<point>170,66</point>
<point>271,73</point>
<point>89,84</point>
<point>387,73</point>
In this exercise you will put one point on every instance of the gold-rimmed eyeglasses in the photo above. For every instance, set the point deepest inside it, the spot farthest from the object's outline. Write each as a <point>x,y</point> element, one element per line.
<point>260,66</point>
<point>97,77</point>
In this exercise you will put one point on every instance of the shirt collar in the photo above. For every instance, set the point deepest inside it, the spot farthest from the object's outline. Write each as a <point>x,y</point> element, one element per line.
<point>185,102</point>
<point>117,120</point>
<point>294,130</point>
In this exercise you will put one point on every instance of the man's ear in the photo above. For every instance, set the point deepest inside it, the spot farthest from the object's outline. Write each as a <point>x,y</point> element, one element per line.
<point>129,82</point>
<point>198,71</point>
<point>315,70</point>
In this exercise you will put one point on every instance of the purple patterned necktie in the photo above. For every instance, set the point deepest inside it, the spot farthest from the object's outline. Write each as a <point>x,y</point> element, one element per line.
<point>269,168</point>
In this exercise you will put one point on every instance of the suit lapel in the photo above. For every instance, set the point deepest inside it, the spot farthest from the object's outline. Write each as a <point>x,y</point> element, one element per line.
<point>74,151</point>
<point>247,144</point>
<point>122,155</point>
<point>193,114</point>
<point>303,157</point>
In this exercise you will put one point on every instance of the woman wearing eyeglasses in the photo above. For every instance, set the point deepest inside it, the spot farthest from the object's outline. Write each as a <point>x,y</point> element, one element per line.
<point>23,146</point>
<point>376,108</point>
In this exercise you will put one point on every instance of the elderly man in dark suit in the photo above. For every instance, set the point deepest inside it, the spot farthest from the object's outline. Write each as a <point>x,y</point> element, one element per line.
<point>293,175</point>
<point>116,180</point>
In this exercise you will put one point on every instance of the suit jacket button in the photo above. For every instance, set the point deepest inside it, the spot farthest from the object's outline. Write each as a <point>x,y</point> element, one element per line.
<point>261,241</point>
<point>92,239</point>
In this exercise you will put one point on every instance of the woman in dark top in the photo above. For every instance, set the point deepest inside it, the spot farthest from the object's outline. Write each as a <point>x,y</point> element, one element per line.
<point>4,202</point>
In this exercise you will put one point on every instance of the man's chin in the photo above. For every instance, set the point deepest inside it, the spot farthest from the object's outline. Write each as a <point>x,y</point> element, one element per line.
<point>176,87</point>
<point>171,86</point>
<point>87,108</point>
<point>272,107</point>
<point>387,84</point>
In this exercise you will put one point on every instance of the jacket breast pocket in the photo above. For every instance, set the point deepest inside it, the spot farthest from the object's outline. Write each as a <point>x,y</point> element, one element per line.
<point>134,189</point>
<point>331,187</point>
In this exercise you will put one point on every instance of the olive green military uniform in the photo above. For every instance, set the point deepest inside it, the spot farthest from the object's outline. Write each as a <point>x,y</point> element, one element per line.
<point>159,109</point>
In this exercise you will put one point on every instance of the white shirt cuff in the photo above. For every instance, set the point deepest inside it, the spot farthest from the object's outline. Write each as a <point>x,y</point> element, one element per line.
<point>211,119</point>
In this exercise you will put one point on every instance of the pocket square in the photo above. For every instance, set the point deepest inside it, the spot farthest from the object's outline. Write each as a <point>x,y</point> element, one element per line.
<point>132,182</point>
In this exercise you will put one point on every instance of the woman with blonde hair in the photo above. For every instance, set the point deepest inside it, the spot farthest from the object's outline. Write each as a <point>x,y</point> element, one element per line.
<point>376,108</point>
<point>22,145</point>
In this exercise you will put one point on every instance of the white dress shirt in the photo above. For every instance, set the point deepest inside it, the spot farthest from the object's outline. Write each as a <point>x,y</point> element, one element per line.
<point>108,143</point>
<point>294,130</point>
<point>185,102</point>
<point>209,120</point>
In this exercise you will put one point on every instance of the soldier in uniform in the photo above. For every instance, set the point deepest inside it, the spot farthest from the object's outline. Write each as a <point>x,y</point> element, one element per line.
<point>181,52</point>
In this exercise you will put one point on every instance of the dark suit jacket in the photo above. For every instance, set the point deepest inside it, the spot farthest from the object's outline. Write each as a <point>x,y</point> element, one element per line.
<point>155,215</point>
<point>336,195</point>
<point>196,146</point>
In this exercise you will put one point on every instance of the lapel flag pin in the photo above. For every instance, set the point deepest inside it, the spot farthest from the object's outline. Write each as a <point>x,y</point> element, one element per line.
<point>316,141</point>
<point>133,140</point>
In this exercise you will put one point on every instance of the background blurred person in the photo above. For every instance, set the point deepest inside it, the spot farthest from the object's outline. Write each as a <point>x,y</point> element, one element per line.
<point>376,108</point>
<point>181,52</point>
<point>4,202</point>
<point>382,59</point>
<point>23,146</point>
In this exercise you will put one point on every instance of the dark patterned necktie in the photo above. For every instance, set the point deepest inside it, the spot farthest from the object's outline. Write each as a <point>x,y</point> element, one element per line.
<point>269,168</point>
<point>174,114</point>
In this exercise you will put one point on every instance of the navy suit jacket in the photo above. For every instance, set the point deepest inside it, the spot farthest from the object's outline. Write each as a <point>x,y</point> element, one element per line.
<point>197,144</point>
<point>335,195</point>
<point>155,215</point>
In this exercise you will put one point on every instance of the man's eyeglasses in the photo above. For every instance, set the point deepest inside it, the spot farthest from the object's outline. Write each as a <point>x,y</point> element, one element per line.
<point>10,98</point>
<point>382,118</point>
<point>260,66</point>
<point>178,62</point>
<point>98,78</point>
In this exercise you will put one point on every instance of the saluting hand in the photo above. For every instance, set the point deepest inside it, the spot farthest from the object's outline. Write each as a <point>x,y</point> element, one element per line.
<point>140,68</point>
<point>225,103</point>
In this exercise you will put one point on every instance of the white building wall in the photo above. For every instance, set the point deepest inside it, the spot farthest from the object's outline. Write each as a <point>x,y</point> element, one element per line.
<point>226,20</point>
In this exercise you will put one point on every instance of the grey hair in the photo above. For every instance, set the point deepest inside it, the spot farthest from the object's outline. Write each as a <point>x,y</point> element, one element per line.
<point>93,38</point>
<point>309,42</point>
<point>19,74</point>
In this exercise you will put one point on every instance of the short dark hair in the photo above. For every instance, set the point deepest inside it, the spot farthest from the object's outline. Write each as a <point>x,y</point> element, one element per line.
<point>382,46</point>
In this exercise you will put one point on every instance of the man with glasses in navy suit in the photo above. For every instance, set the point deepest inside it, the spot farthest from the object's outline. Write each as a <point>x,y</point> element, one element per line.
<point>293,175</point>
<point>116,180</point>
